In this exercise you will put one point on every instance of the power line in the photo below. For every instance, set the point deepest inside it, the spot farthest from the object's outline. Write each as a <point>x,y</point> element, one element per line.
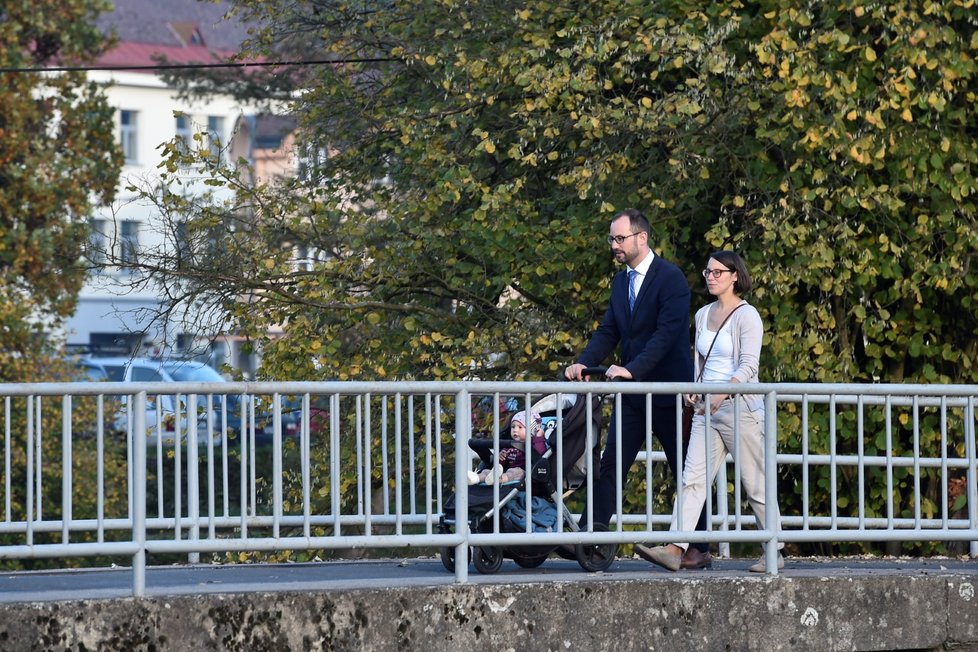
<point>198,66</point>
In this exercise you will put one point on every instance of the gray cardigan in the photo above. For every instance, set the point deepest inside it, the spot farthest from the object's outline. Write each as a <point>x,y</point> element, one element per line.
<point>747,332</point>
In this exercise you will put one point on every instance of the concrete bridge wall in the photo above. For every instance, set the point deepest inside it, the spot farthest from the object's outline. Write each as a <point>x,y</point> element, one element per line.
<point>929,611</point>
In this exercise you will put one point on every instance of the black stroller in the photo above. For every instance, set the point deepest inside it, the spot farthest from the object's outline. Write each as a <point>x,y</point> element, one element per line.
<point>545,493</point>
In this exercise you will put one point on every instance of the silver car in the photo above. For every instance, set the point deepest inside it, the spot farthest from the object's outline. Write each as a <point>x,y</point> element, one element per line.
<point>164,411</point>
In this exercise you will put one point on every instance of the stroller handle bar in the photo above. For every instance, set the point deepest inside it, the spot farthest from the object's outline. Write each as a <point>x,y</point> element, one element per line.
<point>594,371</point>
<point>599,371</point>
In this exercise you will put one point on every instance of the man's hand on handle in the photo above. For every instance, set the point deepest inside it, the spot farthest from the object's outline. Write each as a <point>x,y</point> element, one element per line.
<point>618,373</point>
<point>578,371</point>
<point>574,371</point>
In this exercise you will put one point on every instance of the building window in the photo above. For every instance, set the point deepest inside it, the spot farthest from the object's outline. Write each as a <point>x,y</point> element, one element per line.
<point>309,163</point>
<point>215,135</point>
<point>115,344</point>
<point>181,240</point>
<point>129,242</point>
<point>127,135</point>
<point>184,133</point>
<point>98,242</point>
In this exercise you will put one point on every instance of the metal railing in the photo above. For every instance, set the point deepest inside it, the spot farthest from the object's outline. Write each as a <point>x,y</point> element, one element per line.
<point>108,470</point>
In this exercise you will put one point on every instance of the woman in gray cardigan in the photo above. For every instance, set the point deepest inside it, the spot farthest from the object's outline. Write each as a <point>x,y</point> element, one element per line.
<point>728,348</point>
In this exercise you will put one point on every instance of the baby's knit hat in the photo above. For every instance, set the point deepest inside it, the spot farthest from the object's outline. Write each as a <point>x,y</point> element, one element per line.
<point>534,428</point>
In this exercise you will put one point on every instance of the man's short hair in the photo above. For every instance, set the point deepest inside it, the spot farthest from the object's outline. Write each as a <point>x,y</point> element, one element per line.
<point>637,221</point>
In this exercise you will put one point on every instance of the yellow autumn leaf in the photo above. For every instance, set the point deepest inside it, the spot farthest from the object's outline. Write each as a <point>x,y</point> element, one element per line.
<point>870,54</point>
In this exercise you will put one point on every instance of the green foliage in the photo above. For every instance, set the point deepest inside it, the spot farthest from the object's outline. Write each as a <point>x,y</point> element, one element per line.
<point>861,221</point>
<point>474,152</point>
<point>57,155</point>
<point>54,494</point>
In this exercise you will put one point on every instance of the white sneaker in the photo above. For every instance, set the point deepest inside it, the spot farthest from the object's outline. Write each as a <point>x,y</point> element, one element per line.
<point>473,477</point>
<point>761,567</point>
<point>494,475</point>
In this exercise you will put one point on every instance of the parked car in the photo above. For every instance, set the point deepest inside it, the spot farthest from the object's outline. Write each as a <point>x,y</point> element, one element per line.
<point>162,408</point>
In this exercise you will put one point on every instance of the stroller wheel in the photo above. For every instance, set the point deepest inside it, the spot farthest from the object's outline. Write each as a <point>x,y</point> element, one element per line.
<point>448,558</point>
<point>447,554</point>
<point>529,562</point>
<point>596,558</point>
<point>487,559</point>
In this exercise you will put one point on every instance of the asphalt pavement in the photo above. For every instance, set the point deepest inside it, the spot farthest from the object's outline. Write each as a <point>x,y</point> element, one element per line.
<point>161,581</point>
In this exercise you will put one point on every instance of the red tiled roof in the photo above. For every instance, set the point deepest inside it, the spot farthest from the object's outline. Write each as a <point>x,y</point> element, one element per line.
<point>129,53</point>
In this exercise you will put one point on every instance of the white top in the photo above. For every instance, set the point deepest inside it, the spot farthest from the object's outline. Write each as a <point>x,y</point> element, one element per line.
<point>747,333</point>
<point>720,366</point>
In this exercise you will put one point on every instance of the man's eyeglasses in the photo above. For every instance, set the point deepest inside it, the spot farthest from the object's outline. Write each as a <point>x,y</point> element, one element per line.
<point>715,273</point>
<point>618,239</point>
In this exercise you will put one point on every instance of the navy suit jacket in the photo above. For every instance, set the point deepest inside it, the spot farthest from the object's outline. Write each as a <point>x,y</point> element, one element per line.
<point>654,338</point>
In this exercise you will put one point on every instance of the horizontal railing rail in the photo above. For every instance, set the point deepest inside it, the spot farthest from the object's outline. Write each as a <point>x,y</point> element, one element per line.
<point>142,469</point>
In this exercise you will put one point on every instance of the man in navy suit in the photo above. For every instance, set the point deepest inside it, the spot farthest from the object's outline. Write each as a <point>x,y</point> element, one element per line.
<point>648,318</point>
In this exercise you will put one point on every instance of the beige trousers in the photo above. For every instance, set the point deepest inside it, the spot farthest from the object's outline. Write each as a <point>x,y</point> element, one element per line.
<point>751,458</point>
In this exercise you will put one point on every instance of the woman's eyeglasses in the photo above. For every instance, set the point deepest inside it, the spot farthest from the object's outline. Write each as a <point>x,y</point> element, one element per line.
<point>715,273</point>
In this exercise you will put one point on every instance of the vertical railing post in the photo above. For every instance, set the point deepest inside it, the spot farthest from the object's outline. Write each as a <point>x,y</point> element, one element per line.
<point>67,480</point>
<point>429,450</point>
<point>29,515</point>
<point>463,431</point>
<point>276,464</point>
<point>38,461</point>
<point>139,498</point>
<point>336,505</point>
<point>619,472</point>
<point>972,473</point>
<point>368,508</point>
<point>193,479</point>
<point>771,481</point>
<point>398,468</point>
<point>305,451</point>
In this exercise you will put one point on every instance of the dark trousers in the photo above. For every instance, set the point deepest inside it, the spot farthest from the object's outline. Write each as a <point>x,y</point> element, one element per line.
<point>634,427</point>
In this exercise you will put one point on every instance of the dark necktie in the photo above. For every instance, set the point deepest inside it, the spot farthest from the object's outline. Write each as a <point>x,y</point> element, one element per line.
<point>632,275</point>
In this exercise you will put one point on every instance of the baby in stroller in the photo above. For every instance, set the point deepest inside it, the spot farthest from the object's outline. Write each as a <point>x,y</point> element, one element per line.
<point>558,431</point>
<point>512,459</point>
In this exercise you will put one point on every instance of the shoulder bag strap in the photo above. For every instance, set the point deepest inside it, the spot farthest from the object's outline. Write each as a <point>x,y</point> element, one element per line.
<point>710,350</point>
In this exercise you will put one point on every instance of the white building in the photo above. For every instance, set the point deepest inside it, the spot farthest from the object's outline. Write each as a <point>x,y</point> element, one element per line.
<point>111,316</point>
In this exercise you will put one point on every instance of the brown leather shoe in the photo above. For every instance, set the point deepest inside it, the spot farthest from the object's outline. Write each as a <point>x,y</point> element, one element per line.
<point>693,559</point>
